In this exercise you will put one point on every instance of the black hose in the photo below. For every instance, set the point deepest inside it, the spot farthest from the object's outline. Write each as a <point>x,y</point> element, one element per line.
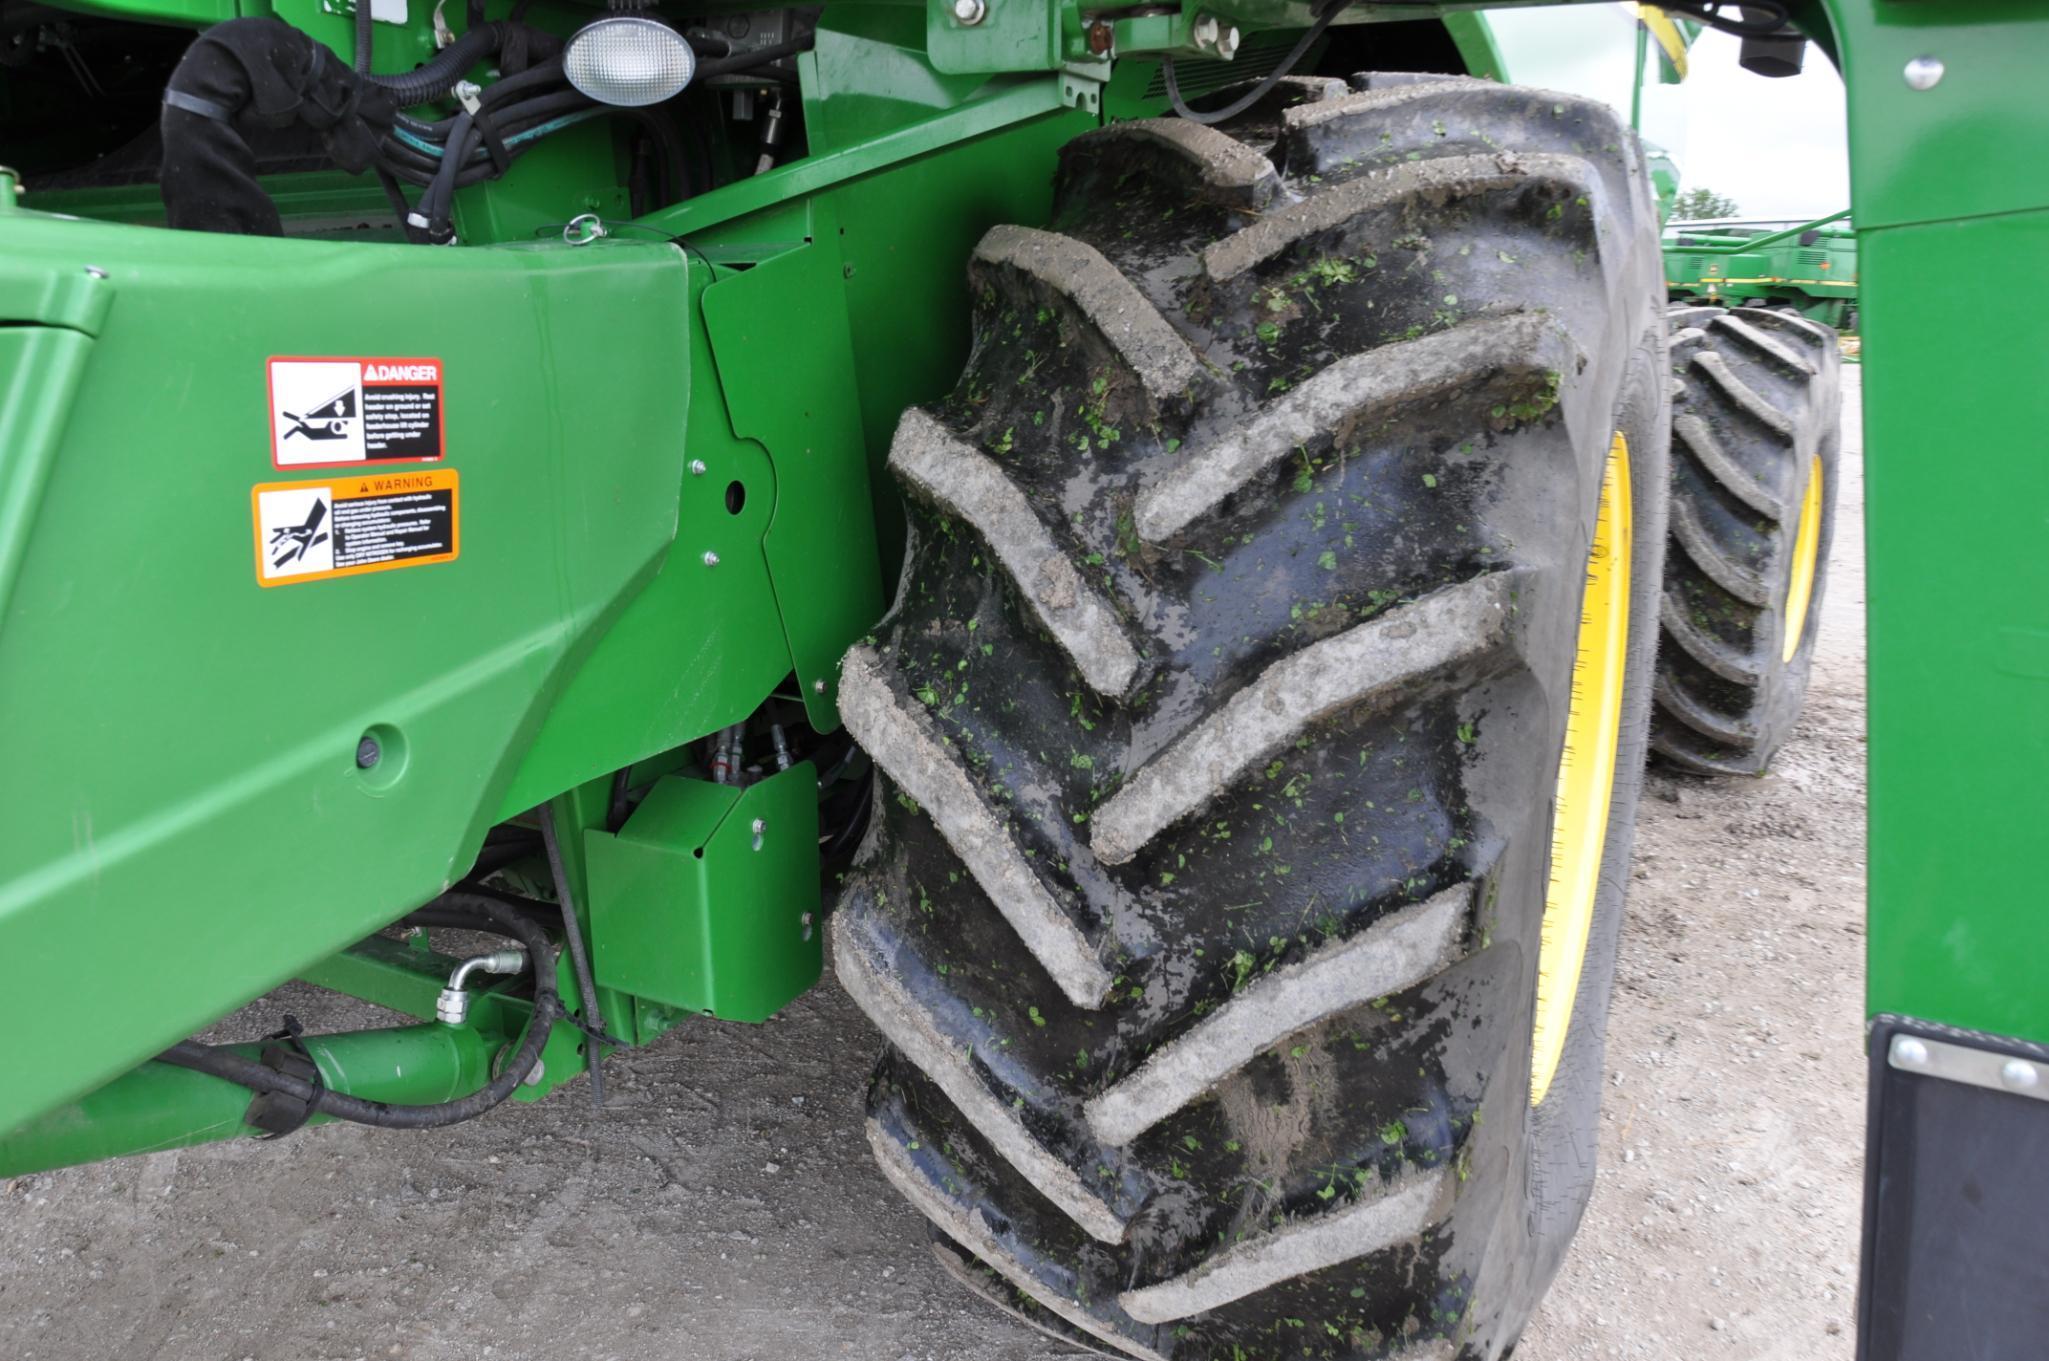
<point>1259,91</point>
<point>747,61</point>
<point>439,75</point>
<point>452,909</point>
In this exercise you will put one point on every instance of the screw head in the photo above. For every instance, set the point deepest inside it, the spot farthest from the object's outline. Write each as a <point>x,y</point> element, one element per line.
<point>969,12</point>
<point>1227,43</point>
<point>1205,30</point>
<point>697,468</point>
<point>760,826</point>
<point>2020,1075</point>
<point>1909,1052</point>
<point>818,686</point>
<point>711,559</point>
<point>1924,73</point>
<point>95,272</point>
<point>368,753</point>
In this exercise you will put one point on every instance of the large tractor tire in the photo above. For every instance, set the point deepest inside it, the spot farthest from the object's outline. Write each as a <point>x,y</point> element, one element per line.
<point>1262,711</point>
<point>1756,421</point>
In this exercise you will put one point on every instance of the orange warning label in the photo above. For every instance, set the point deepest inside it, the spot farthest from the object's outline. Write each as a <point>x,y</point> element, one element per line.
<point>345,526</point>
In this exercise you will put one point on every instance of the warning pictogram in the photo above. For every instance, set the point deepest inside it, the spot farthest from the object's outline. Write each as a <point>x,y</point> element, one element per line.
<point>311,531</point>
<point>334,412</point>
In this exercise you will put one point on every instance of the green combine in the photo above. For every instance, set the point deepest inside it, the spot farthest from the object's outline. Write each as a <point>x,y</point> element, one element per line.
<point>1165,533</point>
<point>1806,267</point>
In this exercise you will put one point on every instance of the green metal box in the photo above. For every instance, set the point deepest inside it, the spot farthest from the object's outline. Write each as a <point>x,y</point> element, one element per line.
<point>707,899</point>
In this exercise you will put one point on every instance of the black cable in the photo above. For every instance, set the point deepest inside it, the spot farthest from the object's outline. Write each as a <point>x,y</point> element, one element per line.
<point>1259,91</point>
<point>581,961</point>
<point>362,53</point>
<point>324,1100</point>
<point>1709,12</point>
<point>748,61</point>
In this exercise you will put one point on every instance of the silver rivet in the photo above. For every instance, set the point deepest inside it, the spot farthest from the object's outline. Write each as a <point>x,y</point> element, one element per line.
<point>818,686</point>
<point>711,559</point>
<point>697,467</point>
<point>2020,1075</point>
<point>969,12</point>
<point>1923,73</point>
<point>1908,1052</point>
<point>95,272</point>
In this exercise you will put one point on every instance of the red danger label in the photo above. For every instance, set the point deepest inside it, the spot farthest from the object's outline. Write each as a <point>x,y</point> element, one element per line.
<point>334,413</point>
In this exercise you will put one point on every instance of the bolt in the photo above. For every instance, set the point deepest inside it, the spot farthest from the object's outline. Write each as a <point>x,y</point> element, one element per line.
<point>1908,1052</point>
<point>1227,43</point>
<point>760,826</point>
<point>1101,38</point>
<point>2020,1075</point>
<point>969,12</point>
<point>535,1074</point>
<point>818,686</point>
<point>1205,31</point>
<point>95,272</point>
<point>805,922</point>
<point>697,468</point>
<point>711,559</point>
<point>1924,73</point>
<point>368,753</point>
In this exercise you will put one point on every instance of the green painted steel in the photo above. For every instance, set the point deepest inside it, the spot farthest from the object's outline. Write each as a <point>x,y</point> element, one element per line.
<point>697,902</point>
<point>1810,266</point>
<point>158,1107</point>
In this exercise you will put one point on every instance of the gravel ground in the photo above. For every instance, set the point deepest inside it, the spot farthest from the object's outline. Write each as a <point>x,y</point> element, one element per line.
<point>725,1208</point>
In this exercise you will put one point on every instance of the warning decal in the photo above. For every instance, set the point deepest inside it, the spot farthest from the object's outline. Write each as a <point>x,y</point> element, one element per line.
<point>309,531</point>
<point>327,413</point>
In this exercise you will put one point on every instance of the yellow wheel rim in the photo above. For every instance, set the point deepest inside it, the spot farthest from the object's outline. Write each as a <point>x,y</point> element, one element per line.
<point>1806,545</point>
<point>1586,772</point>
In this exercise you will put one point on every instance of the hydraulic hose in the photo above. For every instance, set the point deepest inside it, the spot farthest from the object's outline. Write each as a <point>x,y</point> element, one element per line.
<point>474,911</point>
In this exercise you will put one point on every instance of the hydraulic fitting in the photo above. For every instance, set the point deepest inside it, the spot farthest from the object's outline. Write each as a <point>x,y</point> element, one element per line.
<point>453,1006</point>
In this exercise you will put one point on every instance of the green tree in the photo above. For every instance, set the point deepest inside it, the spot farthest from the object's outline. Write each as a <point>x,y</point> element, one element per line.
<point>1695,204</point>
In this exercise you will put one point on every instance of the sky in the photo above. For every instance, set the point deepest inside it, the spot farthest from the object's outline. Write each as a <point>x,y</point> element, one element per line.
<point>1774,146</point>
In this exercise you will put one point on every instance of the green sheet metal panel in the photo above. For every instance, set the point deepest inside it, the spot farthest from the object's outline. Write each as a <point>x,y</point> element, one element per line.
<point>708,898</point>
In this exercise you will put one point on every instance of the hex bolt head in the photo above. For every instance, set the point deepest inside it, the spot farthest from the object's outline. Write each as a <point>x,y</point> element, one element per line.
<point>1924,73</point>
<point>368,753</point>
<point>1205,31</point>
<point>697,468</point>
<point>818,686</point>
<point>968,13</point>
<point>711,559</point>
<point>2020,1075</point>
<point>1908,1052</point>
<point>1227,43</point>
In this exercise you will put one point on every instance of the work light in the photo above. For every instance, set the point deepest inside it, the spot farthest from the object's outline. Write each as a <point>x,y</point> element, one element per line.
<point>629,61</point>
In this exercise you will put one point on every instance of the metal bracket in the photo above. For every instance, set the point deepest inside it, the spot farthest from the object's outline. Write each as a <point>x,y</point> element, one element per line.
<point>1972,1067</point>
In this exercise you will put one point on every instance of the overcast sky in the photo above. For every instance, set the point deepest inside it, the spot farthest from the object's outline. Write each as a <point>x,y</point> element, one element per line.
<point>1775,146</point>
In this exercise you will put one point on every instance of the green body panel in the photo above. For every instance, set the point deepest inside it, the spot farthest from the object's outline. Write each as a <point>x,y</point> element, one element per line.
<point>158,1107</point>
<point>1953,238</point>
<point>693,907</point>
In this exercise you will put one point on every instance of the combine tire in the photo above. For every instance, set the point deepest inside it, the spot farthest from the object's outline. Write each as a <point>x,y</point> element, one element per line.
<point>1755,425</point>
<point>1241,937</point>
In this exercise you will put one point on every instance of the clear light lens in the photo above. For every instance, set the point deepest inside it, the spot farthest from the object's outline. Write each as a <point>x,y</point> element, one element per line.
<point>629,61</point>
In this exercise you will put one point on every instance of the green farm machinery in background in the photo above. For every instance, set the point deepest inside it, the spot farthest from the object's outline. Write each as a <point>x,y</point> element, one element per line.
<point>1810,267</point>
<point>453,564</point>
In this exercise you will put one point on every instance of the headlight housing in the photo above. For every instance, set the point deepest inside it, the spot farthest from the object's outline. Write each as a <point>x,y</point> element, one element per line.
<point>629,61</point>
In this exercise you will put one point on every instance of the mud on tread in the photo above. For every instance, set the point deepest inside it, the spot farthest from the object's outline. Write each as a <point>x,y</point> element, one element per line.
<point>1757,399</point>
<point>1430,533</point>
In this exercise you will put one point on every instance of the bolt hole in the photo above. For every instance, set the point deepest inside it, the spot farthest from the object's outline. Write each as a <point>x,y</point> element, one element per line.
<point>736,497</point>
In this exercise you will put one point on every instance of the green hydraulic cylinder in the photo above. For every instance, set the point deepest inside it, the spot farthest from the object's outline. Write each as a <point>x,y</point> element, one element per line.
<point>159,1106</point>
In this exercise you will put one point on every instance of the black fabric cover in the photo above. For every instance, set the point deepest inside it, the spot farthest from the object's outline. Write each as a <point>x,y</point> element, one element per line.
<point>266,74</point>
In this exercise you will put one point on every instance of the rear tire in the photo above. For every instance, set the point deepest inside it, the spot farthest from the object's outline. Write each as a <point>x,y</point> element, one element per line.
<point>1756,426</point>
<point>1221,710</point>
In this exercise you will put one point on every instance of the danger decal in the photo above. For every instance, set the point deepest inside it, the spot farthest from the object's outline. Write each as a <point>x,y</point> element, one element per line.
<point>327,413</point>
<point>345,526</point>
